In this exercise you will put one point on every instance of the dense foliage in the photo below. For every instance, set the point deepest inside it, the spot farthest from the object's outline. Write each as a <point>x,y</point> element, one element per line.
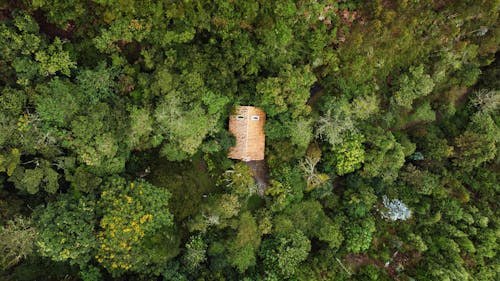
<point>382,140</point>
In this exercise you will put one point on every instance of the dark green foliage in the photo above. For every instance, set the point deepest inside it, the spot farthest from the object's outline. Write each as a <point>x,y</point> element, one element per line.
<point>12,101</point>
<point>186,181</point>
<point>82,180</point>
<point>9,161</point>
<point>31,180</point>
<point>423,182</point>
<point>371,273</point>
<point>41,268</point>
<point>309,217</point>
<point>477,144</point>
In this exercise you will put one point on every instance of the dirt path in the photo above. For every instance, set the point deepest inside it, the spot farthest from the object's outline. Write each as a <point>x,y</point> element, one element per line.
<point>315,93</point>
<point>51,29</point>
<point>260,174</point>
<point>355,261</point>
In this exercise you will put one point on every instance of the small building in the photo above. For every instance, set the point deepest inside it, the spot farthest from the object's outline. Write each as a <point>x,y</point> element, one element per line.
<point>246,123</point>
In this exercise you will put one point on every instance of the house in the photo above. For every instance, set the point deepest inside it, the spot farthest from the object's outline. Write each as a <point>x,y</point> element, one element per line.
<point>246,123</point>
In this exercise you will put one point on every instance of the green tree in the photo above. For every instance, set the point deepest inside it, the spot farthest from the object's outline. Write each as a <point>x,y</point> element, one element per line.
<point>60,12</point>
<point>95,139</point>
<point>364,107</point>
<point>12,101</point>
<point>54,59</point>
<point>310,218</point>
<point>217,212</point>
<point>239,180</point>
<point>195,254</point>
<point>185,130</point>
<point>286,93</point>
<point>141,128</point>
<point>66,228</point>
<point>359,235</point>
<point>9,161</point>
<point>359,197</point>
<point>284,253</point>
<point>83,180</point>
<point>96,84</point>
<point>422,181</point>
<point>135,222</point>
<point>20,37</point>
<point>336,123</point>
<point>308,167</point>
<point>300,131</point>
<point>472,149</point>
<point>30,180</point>
<point>385,156</point>
<point>348,155</point>
<point>243,248</point>
<point>57,103</point>
<point>17,241</point>
<point>421,114</point>
<point>412,86</point>
<point>478,143</point>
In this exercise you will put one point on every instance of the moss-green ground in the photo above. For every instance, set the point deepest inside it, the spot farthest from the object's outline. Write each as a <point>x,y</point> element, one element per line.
<point>188,181</point>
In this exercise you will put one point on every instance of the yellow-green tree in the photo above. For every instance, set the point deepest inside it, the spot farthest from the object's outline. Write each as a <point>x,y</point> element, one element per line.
<point>136,227</point>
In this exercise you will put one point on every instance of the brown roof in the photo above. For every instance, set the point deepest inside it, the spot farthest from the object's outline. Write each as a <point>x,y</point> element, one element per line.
<point>246,123</point>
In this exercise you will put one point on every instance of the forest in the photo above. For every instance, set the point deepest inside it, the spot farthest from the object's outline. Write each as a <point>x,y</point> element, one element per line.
<point>382,140</point>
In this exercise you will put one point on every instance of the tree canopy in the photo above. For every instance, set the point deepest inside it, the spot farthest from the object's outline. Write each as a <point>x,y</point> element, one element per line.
<point>382,140</point>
